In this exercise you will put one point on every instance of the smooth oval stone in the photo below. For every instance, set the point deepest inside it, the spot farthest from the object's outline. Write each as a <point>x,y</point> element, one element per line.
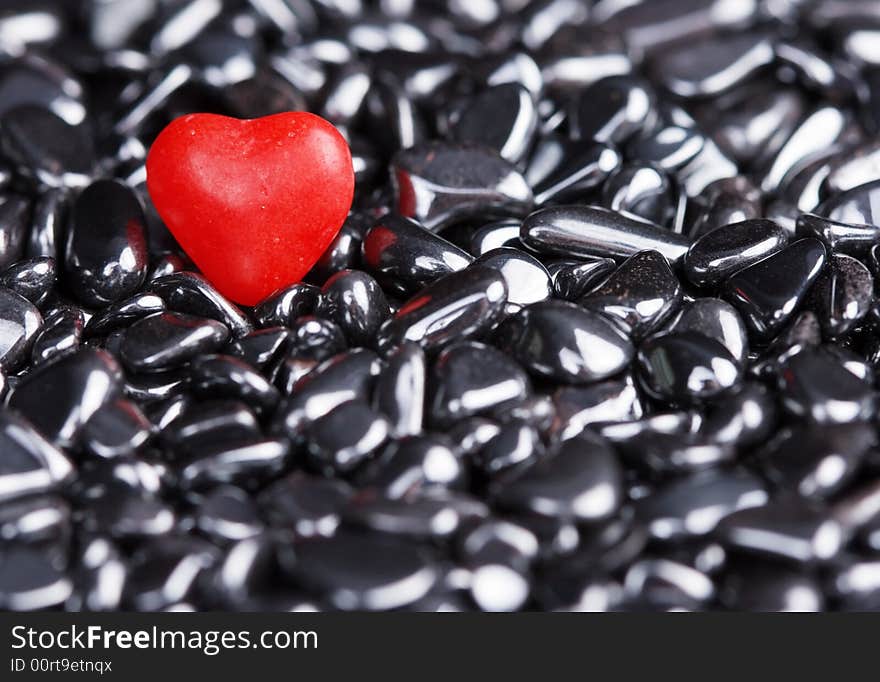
<point>824,127</point>
<point>166,571</point>
<point>527,279</point>
<point>846,238</point>
<point>36,519</point>
<point>768,292</point>
<point>30,463</point>
<point>842,294</point>
<point>787,528</point>
<point>411,465</point>
<point>728,201</point>
<point>283,307</point>
<point>369,572</point>
<point>19,323</point>
<point>595,231</point>
<point>854,207</point>
<point>344,438</point>
<point>670,146</point>
<point>344,377</point>
<point>208,423</point>
<point>188,292</point>
<point>342,253</point>
<point>46,148</point>
<point>242,463</point>
<point>457,306</point>
<point>429,516</point>
<point>228,514</point>
<point>400,390</point>
<point>117,429</point>
<point>746,417</point>
<point>47,224</point>
<point>316,338</point>
<point>59,398</point>
<point>61,333</point>
<point>640,294</point>
<point>718,254</point>
<point>817,461</point>
<point>713,65</point>
<point>168,340</point>
<point>262,347</point>
<point>815,385</point>
<point>853,583</point>
<point>355,302</point>
<point>613,109</point>
<point>406,257</point>
<point>495,235</point>
<point>33,278</point>
<point>224,376</point>
<point>516,443</point>
<point>517,67</point>
<point>716,319</point>
<point>769,587</point>
<point>307,505</point>
<point>606,402</point>
<point>562,170</point>
<point>14,220</point>
<point>664,581</point>
<point>106,252</point>
<point>121,314</point>
<point>661,453</point>
<point>686,367</point>
<point>29,581</point>
<point>582,480</point>
<point>572,279</point>
<point>439,184</point>
<point>471,378</point>
<point>562,341</point>
<point>641,190</point>
<point>694,505</point>
<point>503,117</point>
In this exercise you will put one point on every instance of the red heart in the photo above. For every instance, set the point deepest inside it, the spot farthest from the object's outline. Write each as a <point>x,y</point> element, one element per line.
<point>254,203</point>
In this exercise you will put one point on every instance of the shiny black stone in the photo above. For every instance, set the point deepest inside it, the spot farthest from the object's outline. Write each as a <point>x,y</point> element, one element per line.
<point>562,341</point>
<point>813,384</point>
<point>283,307</point>
<point>355,301</point>
<point>594,231</point>
<point>768,292</point>
<point>582,480</point>
<point>30,463</point>
<point>456,306</point>
<point>121,314</point>
<point>471,378</point>
<point>46,148</point>
<point>572,279</point>
<point>527,279</point>
<point>562,170</point>
<point>106,251</point>
<point>716,319</point>
<point>686,367</point>
<point>503,117</point>
<point>188,292</point>
<point>406,257</point>
<point>19,323</point>
<point>413,464</point>
<point>61,333</point>
<point>842,294</point>
<point>400,390</point>
<point>117,429</point>
<point>168,340</point>
<point>438,184</point>
<point>613,109</point>
<point>718,254</point>
<point>225,376</point>
<point>640,294</point>
<point>14,220</point>
<point>59,397</point>
<point>33,279</point>
<point>344,438</point>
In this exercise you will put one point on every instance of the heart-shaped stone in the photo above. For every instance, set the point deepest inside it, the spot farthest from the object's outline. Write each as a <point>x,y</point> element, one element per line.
<point>255,202</point>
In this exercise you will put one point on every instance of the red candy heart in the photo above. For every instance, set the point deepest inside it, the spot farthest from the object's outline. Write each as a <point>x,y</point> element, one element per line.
<point>254,203</point>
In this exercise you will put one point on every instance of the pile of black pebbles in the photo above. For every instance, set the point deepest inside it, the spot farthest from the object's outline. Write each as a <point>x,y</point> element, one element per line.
<point>620,356</point>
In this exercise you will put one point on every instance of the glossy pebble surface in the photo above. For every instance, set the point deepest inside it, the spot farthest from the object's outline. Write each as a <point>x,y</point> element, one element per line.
<point>319,305</point>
